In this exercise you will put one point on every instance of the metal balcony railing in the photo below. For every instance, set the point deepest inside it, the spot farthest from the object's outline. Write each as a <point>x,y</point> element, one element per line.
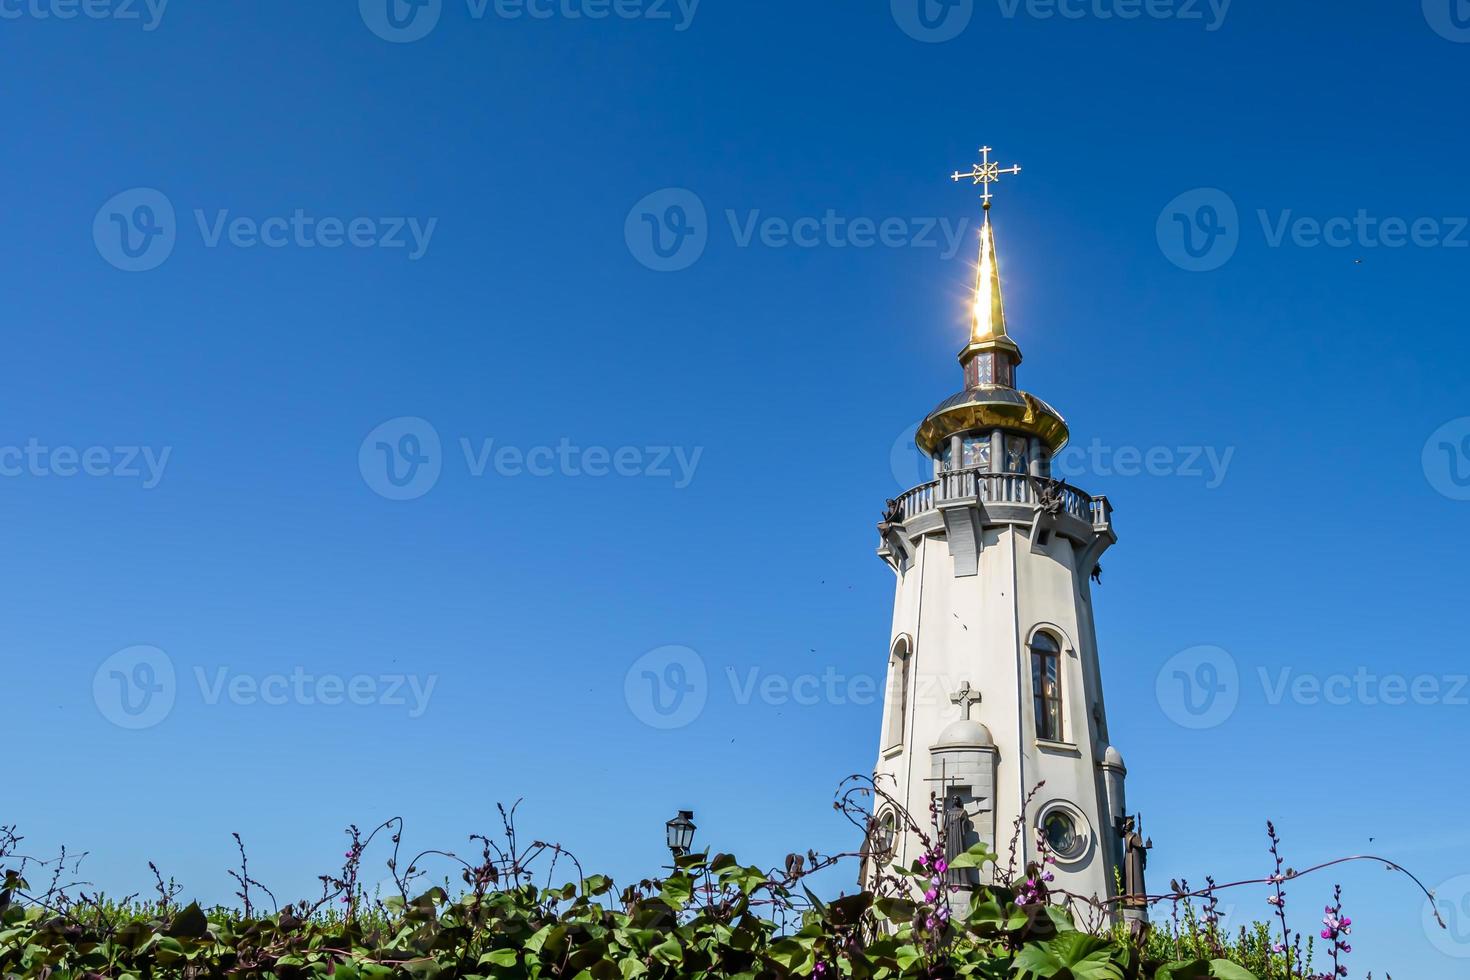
<point>1009,488</point>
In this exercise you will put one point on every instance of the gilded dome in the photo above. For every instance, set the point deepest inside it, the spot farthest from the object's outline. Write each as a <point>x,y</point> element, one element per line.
<point>992,407</point>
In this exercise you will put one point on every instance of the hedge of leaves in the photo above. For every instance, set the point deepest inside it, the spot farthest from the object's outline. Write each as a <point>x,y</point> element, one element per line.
<point>712,917</point>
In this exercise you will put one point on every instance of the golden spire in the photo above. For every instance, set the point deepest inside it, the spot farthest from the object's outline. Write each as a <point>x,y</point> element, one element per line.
<point>988,319</point>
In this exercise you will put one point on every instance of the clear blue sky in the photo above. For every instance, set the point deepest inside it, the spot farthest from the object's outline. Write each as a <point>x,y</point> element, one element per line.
<point>531,316</point>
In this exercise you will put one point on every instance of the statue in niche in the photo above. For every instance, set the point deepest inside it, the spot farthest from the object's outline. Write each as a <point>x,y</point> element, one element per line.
<point>1135,860</point>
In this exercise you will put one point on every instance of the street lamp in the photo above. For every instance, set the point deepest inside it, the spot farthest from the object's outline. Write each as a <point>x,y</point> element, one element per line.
<point>680,832</point>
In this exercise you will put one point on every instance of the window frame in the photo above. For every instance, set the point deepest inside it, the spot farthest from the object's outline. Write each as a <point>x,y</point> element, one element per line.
<point>900,682</point>
<point>1083,836</point>
<point>1047,710</point>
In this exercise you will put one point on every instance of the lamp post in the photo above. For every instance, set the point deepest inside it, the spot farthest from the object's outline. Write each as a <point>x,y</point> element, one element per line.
<point>680,832</point>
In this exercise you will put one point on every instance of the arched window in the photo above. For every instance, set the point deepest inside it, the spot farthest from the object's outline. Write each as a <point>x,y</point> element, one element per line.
<point>899,667</point>
<point>1046,686</point>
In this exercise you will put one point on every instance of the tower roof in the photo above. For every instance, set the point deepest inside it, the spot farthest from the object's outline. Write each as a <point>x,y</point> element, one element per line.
<point>990,398</point>
<point>992,406</point>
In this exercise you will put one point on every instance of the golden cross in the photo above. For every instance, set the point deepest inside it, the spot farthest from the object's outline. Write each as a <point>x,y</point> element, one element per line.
<point>986,173</point>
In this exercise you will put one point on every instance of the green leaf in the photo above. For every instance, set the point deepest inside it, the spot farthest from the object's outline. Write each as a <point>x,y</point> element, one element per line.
<point>1060,919</point>
<point>1226,970</point>
<point>1073,955</point>
<point>988,915</point>
<point>669,951</point>
<point>976,857</point>
<point>907,956</point>
<point>791,953</point>
<point>677,891</point>
<point>895,909</point>
<point>190,923</point>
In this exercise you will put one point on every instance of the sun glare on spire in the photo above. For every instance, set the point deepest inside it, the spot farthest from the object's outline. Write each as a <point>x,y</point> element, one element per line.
<point>988,315</point>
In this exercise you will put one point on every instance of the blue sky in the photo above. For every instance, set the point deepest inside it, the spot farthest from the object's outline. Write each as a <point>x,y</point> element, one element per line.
<point>688,445</point>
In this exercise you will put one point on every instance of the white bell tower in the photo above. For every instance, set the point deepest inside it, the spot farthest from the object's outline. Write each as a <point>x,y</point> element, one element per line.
<point>993,679</point>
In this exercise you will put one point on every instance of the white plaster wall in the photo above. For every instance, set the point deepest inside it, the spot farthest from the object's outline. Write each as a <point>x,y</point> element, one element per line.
<point>975,629</point>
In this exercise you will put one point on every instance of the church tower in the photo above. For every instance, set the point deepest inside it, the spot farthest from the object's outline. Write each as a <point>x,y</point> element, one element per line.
<point>993,679</point>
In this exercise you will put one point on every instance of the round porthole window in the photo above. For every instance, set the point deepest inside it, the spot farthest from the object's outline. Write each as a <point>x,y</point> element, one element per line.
<point>1065,832</point>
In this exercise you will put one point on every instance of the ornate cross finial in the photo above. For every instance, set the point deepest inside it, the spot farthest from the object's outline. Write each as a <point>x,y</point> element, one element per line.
<point>965,697</point>
<point>985,173</point>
